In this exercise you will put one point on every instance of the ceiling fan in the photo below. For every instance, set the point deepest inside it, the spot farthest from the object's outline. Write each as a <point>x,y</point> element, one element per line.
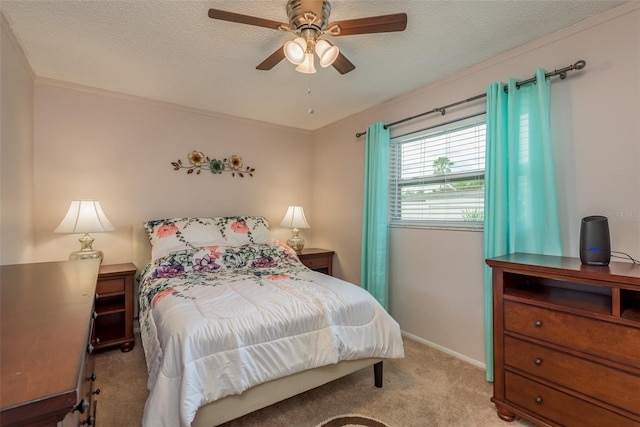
<point>309,20</point>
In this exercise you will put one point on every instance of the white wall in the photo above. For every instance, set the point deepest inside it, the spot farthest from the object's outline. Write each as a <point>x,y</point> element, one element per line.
<point>436,276</point>
<point>118,149</point>
<point>16,151</point>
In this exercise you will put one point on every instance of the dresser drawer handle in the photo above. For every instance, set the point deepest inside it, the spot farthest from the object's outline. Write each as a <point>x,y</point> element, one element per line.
<point>89,421</point>
<point>81,407</point>
<point>538,324</point>
<point>91,378</point>
<point>89,348</point>
<point>538,361</point>
<point>538,400</point>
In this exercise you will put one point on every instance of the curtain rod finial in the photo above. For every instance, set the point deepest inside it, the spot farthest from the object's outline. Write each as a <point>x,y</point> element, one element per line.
<point>580,65</point>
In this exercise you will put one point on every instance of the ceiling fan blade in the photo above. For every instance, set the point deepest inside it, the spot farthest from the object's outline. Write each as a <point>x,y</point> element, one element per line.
<point>373,24</point>
<point>272,60</point>
<point>342,64</point>
<point>244,19</point>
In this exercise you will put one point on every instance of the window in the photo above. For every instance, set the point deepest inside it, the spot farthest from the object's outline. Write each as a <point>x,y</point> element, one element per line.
<point>437,178</point>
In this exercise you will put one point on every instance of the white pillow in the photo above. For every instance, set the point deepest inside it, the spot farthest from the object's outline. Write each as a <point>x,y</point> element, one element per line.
<point>176,234</point>
<point>244,230</point>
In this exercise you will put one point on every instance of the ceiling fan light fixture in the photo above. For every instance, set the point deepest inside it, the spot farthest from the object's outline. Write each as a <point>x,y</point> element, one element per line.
<point>326,52</point>
<point>294,50</point>
<point>307,66</point>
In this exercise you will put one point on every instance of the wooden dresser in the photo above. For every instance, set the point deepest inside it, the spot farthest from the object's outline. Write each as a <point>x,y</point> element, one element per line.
<point>566,341</point>
<point>47,317</point>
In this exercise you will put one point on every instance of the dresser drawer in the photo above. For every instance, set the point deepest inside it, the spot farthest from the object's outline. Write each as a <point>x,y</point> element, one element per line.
<point>559,407</point>
<point>601,382</point>
<point>611,341</point>
<point>109,286</point>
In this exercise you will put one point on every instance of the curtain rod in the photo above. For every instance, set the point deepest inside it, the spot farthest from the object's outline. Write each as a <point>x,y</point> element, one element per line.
<point>579,65</point>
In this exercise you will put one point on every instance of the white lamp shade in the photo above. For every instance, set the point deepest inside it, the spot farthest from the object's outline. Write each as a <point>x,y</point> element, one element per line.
<point>84,216</point>
<point>294,50</point>
<point>307,66</point>
<point>294,218</point>
<point>326,52</point>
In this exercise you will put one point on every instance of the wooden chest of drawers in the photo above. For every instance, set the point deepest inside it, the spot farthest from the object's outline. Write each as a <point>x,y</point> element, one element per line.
<point>47,367</point>
<point>566,341</point>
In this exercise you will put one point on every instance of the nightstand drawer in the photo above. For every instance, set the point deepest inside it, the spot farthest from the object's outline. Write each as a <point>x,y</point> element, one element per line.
<point>601,382</point>
<point>109,286</point>
<point>614,342</point>
<point>314,263</point>
<point>320,260</point>
<point>559,407</point>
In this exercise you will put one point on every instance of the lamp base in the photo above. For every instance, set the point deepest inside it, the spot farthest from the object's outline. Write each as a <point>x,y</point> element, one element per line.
<point>296,242</point>
<point>86,255</point>
<point>86,251</point>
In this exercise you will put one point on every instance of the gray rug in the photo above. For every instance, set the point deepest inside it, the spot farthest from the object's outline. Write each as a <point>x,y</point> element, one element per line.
<point>352,420</point>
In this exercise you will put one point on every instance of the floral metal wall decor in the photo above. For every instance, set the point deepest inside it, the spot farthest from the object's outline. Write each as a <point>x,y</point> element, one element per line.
<point>198,162</point>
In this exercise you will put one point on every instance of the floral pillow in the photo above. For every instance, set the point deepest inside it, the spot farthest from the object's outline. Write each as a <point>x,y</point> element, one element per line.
<point>172,235</point>
<point>244,230</point>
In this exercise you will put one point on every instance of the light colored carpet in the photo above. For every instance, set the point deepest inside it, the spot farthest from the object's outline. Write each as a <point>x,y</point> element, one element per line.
<point>427,388</point>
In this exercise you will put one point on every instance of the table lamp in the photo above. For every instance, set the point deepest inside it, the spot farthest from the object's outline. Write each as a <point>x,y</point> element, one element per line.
<point>294,219</point>
<point>85,216</point>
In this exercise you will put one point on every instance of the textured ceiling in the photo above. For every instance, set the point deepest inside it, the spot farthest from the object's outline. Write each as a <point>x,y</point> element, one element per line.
<point>172,51</point>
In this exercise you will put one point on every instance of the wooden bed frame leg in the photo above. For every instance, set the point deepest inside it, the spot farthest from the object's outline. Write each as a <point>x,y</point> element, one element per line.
<point>377,374</point>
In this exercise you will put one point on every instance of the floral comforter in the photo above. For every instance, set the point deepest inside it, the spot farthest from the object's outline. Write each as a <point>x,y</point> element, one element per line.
<point>216,321</point>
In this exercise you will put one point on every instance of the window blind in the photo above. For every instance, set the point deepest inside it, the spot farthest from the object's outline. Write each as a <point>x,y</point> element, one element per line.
<point>437,178</point>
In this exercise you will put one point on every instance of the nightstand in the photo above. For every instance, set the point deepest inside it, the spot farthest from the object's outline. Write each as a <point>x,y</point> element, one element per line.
<point>114,307</point>
<point>317,259</point>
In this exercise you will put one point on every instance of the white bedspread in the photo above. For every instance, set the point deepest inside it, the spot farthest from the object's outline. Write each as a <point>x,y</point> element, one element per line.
<point>203,343</point>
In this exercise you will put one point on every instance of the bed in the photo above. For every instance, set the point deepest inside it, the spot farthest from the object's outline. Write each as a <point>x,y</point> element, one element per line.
<point>231,321</point>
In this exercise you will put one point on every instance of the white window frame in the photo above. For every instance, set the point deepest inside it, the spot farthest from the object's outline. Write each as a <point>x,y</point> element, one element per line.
<point>399,217</point>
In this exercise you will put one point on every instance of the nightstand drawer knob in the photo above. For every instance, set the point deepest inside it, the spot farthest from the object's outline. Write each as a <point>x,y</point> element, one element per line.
<point>538,361</point>
<point>538,400</point>
<point>94,315</point>
<point>538,324</point>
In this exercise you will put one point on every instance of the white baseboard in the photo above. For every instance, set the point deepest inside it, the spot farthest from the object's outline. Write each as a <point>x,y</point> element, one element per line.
<point>446,350</point>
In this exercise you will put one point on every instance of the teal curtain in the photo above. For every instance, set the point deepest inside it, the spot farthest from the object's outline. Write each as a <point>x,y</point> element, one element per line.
<point>521,208</point>
<point>375,214</point>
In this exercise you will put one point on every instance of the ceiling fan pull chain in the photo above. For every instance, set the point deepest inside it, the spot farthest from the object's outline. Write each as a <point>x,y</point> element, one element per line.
<point>310,110</point>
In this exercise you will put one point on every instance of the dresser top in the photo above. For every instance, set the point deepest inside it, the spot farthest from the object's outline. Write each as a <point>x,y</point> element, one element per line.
<point>619,272</point>
<point>45,313</point>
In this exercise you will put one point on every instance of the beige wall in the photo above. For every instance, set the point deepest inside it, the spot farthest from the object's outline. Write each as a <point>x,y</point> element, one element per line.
<point>436,276</point>
<point>119,149</point>
<point>16,151</point>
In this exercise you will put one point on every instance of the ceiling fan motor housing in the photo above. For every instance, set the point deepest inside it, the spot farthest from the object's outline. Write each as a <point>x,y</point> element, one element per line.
<point>299,18</point>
